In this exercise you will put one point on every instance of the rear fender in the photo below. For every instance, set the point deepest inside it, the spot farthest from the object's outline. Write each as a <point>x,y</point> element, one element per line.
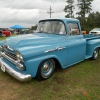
<point>91,46</point>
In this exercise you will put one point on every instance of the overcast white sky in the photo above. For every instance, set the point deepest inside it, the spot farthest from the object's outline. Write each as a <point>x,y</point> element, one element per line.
<point>28,12</point>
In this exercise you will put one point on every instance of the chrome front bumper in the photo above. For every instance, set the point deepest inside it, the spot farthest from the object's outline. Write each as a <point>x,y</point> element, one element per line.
<point>15,74</point>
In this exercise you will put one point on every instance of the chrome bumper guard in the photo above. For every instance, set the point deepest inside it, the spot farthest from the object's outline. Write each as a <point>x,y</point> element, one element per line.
<point>2,54</point>
<point>15,74</point>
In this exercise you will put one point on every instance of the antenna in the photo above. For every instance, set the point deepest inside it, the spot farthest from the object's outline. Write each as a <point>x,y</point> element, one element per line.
<point>50,11</point>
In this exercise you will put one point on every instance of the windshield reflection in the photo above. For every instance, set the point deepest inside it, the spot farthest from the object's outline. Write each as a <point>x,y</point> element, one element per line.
<point>51,27</point>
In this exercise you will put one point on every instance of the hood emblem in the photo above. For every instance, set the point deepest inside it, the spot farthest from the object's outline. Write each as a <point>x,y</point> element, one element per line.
<point>7,47</point>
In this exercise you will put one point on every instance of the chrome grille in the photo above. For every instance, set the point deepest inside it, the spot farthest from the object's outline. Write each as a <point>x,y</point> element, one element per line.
<point>13,56</point>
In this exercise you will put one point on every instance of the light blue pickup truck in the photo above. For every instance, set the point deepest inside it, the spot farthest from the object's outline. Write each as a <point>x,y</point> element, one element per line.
<point>57,42</point>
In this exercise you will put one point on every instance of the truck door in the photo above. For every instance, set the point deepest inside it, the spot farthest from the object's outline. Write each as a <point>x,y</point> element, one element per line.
<point>76,44</point>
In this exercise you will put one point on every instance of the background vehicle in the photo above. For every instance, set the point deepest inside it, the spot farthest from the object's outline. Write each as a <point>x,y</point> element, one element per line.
<point>5,33</point>
<point>95,31</point>
<point>57,42</point>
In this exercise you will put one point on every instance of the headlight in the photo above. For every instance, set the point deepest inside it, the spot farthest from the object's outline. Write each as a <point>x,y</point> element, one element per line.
<point>19,56</point>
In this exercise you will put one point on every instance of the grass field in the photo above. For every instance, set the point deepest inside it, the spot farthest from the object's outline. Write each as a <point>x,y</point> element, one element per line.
<point>2,38</point>
<point>78,82</point>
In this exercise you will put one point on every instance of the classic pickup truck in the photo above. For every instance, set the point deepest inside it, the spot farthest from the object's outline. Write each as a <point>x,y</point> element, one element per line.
<point>57,42</point>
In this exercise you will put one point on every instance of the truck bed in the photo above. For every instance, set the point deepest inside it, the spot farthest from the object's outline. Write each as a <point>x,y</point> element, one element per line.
<point>89,37</point>
<point>92,42</point>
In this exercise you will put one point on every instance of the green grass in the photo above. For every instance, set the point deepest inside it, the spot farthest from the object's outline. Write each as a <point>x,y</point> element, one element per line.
<point>78,82</point>
<point>2,38</point>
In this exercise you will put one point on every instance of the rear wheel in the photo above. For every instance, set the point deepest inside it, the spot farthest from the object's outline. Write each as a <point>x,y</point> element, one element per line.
<point>46,69</point>
<point>95,54</point>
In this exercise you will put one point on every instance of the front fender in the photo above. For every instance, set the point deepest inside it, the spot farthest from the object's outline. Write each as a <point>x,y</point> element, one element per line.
<point>33,64</point>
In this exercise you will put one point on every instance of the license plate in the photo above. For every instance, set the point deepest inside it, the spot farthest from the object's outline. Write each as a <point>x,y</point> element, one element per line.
<point>3,67</point>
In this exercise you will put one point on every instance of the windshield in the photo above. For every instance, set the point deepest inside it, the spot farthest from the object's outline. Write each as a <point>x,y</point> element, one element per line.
<point>53,27</point>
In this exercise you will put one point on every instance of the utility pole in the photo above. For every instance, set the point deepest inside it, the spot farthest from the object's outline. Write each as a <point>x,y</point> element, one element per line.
<point>50,11</point>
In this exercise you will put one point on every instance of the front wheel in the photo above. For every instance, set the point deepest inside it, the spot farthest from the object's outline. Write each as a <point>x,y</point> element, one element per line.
<point>95,54</point>
<point>46,69</point>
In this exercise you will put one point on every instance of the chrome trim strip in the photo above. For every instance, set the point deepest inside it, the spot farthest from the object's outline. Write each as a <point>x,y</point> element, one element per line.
<point>50,50</point>
<point>11,60</point>
<point>15,74</point>
<point>9,48</point>
<point>57,48</point>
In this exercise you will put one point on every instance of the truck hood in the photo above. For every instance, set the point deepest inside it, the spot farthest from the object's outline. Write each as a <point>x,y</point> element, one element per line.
<point>38,39</point>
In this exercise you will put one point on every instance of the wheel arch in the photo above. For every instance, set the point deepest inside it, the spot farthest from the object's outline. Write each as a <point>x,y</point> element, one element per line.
<point>95,53</point>
<point>57,62</point>
<point>43,73</point>
<point>97,47</point>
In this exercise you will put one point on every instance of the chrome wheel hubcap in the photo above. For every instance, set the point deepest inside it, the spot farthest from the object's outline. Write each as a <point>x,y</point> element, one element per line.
<point>95,53</point>
<point>47,68</point>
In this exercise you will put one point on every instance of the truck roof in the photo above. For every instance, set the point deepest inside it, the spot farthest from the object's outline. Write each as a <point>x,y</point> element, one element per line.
<point>63,19</point>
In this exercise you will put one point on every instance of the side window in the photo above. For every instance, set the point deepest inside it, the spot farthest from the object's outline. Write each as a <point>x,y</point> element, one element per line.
<point>73,29</point>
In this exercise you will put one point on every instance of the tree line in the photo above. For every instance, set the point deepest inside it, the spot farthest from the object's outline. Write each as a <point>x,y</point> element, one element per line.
<point>88,19</point>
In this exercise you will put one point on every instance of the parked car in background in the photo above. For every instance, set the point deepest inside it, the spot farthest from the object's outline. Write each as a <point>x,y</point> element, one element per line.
<point>5,32</point>
<point>95,31</point>
<point>24,31</point>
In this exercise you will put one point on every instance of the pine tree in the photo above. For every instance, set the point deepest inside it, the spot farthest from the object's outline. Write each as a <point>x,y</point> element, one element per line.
<point>85,8</point>
<point>69,8</point>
